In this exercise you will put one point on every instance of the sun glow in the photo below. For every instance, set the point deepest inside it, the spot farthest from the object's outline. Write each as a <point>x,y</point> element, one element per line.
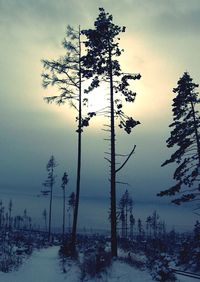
<point>98,99</point>
<point>152,100</point>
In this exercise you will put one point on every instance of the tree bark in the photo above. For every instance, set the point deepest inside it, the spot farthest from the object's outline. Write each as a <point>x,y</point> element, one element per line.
<point>75,218</point>
<point>113,165</point>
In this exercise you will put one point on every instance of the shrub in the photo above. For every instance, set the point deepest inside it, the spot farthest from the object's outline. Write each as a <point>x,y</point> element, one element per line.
<point>160,270</point>
<point>95,262</point>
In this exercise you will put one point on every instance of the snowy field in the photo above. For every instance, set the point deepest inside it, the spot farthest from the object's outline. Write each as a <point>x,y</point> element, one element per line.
<point>43,266</point>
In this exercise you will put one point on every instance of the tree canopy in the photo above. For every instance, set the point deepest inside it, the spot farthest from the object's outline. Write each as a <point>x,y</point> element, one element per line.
<point>185,138</point>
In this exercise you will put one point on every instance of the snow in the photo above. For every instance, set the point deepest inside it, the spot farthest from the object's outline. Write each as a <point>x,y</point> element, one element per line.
<point>43,266</point>
<point>122,272</point>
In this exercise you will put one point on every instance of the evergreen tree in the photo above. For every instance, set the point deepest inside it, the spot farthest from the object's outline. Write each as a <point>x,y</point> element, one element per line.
<point>155,223</point>
<point>65,180</point>
<point>72,203</point>
<point>125,207</point>
<point>148,226</point>
<point>132,223</point>
<point>197,232</point>
<point>45,218</point>
<point>185,137</point>
<point>10,214</point>
<point>48,184</point>
<point>101,64</point>
<point>25,219</point>
<point>139,228</point>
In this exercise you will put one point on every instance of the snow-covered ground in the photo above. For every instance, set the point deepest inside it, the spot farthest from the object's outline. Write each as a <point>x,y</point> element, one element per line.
<point>43,266</point>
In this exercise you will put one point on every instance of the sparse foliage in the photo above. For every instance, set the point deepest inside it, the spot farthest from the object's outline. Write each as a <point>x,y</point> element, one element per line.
<point>66,74</point>
<point>101,65</point>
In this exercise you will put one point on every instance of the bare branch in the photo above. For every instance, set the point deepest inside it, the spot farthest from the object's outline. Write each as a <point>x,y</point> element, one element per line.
<point>107,160</point>
<point>126,160</point>
<point>123,183</point>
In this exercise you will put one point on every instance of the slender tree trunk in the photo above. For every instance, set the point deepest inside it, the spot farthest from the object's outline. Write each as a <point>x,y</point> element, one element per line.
<point>63,227</point>
<point>75,218</point>
<point>113,172</point>
<point>126,221</point>
<point>50,209</point>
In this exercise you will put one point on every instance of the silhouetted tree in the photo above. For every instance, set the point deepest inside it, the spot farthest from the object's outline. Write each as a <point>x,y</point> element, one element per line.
<point>101,64</point>
<point>139,228</point>
<point>132,223</point>
<point>148,226</point>
<point>48,184</point>
<point>45,218</point>
<point>154,223</point>
<point>65,180</point>
<point>30,222</point>
<point>72,203</point>
<point>66,74</point>
<point>185,137</point>
<point>197,232</point>
<point>10,214</point>
<point>125,207</point>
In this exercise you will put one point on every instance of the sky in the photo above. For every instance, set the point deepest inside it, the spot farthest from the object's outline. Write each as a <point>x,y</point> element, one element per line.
<point>161,42</point>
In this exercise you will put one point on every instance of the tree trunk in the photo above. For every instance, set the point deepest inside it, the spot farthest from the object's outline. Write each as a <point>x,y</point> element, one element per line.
<point>63,229</point>
<point>50,208</point>
<point>113,172</point>
<point>75,218</point>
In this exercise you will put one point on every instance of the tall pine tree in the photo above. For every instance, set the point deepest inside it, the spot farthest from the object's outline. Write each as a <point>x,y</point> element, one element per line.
<point>101,65</point>
<point>185,138</point>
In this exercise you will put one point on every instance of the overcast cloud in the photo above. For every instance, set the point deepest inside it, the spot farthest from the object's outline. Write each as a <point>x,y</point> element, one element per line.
<point>161,42</point>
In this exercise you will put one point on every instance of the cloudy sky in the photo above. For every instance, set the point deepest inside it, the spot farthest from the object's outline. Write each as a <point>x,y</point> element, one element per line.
<point>161,42</point>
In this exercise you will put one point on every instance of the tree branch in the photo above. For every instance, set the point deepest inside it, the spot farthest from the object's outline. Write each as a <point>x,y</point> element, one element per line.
<point>107,160</point>
<point>123,183</point>
<point>126,160</point>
